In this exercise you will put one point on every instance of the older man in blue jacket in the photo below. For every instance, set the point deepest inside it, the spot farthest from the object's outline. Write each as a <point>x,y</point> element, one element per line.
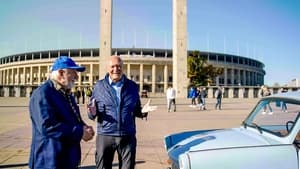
<point>115,102</point>
<point>57,127</point>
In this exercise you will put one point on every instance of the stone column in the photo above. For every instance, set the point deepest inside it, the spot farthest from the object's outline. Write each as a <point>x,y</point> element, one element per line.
<point>17,80</point>
<point>165,78</point>
<point>17,91</point>
<point>239,76</point>
<point>217,81</point>
<point>244,77</point>
<point>23,76</point>
<point>232,77</point>
<point>210,92</point>
<point>141,77</point>
<point>31,75</point>
<point>230,92</point>
<point>225,76</point>
<point>39,75</point>
<point>250,93</point>
<point>180,80</point>
<point>153,78</point>
<point>6,91</point>
<point>91,75</point>
<point>241,93</point>
<point>128,71</point>
<point>12,76</point>
<point>28,90</point>
<point>105,35</point>
<point>7,76</point>
<point>1,77</point>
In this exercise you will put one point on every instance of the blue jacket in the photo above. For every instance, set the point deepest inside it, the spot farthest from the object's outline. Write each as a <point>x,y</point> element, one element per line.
<point>112,119</point>
<point>56,130</point>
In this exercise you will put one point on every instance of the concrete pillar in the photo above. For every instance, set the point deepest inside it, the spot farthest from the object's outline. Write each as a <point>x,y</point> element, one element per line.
<point>17,91</point>
<point>28,91</point>
<point>128,71</point>
<point>7,76</point>
<point>141,77</point>
<point>39,75</point>
<point>244,77</point>
<point>165,78</point>
<point>241,92</point>
<point>250,93</point>
<point>225,77</point>
<point>91,75</point>
<point>23,76</point>
<point>1,77</point>
<point>105,35</point>
<point>232,77</point>
<point>153,78</point>
<point>210,93</point>
<point>217,81</point>
<point>17,75</point>
<point>12,76</point>
<point>31,75</point>
<point>6,91</point>
<point>180,80</point>
<point>239,76</point>
<point>230,92</point>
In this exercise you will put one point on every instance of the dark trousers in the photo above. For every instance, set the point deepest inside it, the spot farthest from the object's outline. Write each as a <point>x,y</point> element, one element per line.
<point>106,147</point>
<point>218,104</point>
<point>170,102</point>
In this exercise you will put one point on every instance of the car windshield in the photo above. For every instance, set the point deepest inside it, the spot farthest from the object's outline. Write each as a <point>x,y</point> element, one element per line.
<point>274,115</point>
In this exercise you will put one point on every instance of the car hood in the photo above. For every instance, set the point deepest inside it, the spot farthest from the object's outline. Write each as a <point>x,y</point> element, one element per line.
<point>225,138</point>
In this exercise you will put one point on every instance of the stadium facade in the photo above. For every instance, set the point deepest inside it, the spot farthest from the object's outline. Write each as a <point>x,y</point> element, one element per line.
<point>151,69</point>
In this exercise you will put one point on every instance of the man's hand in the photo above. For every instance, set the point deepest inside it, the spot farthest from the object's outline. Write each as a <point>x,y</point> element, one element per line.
<point>145,115</point>
<point>91,107</point>
<point>88,133</point>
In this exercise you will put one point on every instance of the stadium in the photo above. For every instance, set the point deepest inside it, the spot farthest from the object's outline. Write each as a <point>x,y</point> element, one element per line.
<point>151,69</point>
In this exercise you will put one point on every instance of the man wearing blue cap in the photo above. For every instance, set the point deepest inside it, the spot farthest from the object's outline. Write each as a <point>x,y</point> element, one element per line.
<point>57,126</point>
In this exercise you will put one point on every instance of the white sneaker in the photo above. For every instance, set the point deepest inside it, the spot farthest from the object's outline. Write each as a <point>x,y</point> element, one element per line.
<point>263,113</point>
<point>270,113</point>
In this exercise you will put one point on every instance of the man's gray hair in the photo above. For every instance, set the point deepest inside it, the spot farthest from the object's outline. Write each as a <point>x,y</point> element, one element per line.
<point>53,75</point>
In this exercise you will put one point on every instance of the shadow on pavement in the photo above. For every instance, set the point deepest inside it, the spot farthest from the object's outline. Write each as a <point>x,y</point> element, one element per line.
<point>114,165</point>
<point>14,165</point>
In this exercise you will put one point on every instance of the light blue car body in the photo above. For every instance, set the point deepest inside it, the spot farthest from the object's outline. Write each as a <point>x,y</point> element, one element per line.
<point>263,141</point>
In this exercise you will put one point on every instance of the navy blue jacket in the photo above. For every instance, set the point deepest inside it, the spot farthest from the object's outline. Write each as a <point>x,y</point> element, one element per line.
<point>112,119</point>
<point>56,130</point>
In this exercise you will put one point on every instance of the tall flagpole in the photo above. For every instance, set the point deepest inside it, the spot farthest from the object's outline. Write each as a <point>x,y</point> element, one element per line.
<point>207,41</point>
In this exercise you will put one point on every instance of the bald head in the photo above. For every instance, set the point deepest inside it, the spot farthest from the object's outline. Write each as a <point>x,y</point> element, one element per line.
<point>114,68</point>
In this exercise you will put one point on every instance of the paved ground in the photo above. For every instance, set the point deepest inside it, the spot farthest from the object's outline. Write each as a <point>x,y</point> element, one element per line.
<point>15,129</point>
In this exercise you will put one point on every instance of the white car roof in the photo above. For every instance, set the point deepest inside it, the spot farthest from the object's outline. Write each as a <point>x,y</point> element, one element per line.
<point>288,95</point>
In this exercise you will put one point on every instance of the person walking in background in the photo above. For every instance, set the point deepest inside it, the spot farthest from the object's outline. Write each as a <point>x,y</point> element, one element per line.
<point>171,95</point>
<point>202,96</point>
<point>283,104</point>
<point>82,92</point>
<point>193,95</point>
<point>115,102</point>
<point>265,91</point>
<point>218,96</point>
<point>57,126</point>
<point>77,95</point>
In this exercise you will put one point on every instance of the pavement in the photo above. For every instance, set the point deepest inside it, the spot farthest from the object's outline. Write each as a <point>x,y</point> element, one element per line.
<point>15,129</point>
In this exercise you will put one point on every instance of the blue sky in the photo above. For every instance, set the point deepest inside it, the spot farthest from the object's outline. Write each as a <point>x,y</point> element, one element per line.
<point>266,30</point>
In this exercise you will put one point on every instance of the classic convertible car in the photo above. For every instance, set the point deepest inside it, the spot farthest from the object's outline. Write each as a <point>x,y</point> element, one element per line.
<point>267,139</point>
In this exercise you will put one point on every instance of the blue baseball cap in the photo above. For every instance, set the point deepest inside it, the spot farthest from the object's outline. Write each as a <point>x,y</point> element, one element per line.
<point>64,62</point>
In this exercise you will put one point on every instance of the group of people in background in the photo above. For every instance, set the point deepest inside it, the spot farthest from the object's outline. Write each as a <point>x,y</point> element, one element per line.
<point>198,96</point>
<point>81,93</point>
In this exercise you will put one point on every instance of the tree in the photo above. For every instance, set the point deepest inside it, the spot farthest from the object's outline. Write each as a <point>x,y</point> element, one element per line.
<point>200,72</point>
